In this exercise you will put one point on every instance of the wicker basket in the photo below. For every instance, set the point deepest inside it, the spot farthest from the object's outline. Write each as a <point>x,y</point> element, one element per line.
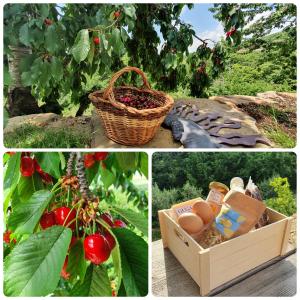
<point>128,125</point>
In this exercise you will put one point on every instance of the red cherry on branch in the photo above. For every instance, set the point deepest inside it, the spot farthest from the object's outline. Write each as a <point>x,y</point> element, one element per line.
<point>64,274</point>
<point>107,218</point>
<point>96,248</point>
<point>48,22</point>
<point>119,223</point>
<point>89,160</point>
<point>64,215</point>
<point>47,220</point>
<point>6,237</point>
<point>117,14</point>
<point>37,166</point>
<point>100,155</point>
<point>27,166</point>
<point>110,239</point>
<point>96,40</point>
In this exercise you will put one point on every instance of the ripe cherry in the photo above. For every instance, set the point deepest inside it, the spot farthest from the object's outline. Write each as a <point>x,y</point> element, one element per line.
<point>27,166</point>
<point>47,220</point>
<point>6,237</point>
<point>37,166</point>
<point>117,14</point>
<point>64,274</point>
<point>100,155</point>
<point>110,239</point>
<point>46,177</point>
<point>62,218</point>
<point>96,248</point>
<point>119,223</point>
<point>107,218</point>
<point>96,40</point>
<point>48,22</point>
<point>89,160</point>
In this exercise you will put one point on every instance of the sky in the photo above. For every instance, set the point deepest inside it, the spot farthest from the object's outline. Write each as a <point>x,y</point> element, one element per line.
<point>203,23</point>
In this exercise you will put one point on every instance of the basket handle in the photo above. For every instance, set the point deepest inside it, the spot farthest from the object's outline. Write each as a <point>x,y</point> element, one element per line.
<point>109,90</point>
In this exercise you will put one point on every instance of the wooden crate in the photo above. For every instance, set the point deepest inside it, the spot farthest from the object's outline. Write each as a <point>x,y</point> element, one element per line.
<point>215,266</point>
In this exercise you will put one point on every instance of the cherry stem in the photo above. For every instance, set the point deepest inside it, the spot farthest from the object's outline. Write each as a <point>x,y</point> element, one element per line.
<point>70,213</point>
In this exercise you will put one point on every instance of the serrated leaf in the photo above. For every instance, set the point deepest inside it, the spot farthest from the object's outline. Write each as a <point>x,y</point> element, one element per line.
<point>52,42</point>
<point>25,216</point>
<point>81,46</point>
<point>91,54</point>
<point>134,267</point>
<point>126,160</point>
<point>134,218</point>
<point>116,41</point>
<point>44,10</point>
<point>57,70</point>
<point>49,162</point>
<point>24,35</point>
<point>96,283</point>
<point>33,267</point>
<point>129,11</point>
<point>77,264</point>
<point>11,178</point>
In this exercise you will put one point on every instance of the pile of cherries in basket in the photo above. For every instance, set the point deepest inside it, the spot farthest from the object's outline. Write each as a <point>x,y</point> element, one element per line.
<point>138,101</point>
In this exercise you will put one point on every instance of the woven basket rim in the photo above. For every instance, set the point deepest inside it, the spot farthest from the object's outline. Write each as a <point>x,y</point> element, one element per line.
<point>167,105</point>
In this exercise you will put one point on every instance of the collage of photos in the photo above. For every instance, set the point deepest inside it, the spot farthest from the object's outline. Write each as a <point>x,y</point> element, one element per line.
<point>149,149</point>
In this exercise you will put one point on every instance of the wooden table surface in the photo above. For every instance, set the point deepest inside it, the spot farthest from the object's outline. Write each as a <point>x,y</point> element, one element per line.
<point>169,278</point>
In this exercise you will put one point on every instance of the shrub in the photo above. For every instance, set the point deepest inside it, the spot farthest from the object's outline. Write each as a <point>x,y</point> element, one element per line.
<point>285,201</point>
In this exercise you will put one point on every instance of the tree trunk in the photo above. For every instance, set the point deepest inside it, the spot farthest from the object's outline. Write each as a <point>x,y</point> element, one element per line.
<point>84,104</point>
<point>20,99</point>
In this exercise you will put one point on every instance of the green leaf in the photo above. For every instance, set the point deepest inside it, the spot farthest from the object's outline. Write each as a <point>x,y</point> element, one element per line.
<point>57,70</point>
<point>144,163</point>
<point>129,11</point>
<point>134,258</point>
<point>11,178</point>
<point>91,54</point>
<point>107,177</point>
<point>81,46</point>
<point>116,41</point>
<point>52,42</point>
<point>26,78</point>
<point>104,42</point>
<point>33,267</point>
<point>25,216</point>
<point>96,283</point>
<point>49,162</point>
<point>5,117</point>
<point>77,264</point>
<point>24,35</point>
<point>44,10</point>
<point>28,185</point>
<point>134,218</point>
<point>126,160</point>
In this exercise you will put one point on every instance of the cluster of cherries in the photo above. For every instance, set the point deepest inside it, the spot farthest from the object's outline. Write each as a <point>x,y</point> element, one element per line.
<point>138,102</point>
<point>97,246</point>
<point>91,158</point>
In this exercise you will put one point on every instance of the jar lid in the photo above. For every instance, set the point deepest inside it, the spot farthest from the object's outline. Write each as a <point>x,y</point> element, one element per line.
<point>223,188</point>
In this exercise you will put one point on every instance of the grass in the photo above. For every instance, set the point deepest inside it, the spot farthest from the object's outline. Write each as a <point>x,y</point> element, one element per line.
<point>30,136</point>
<point>279,137</point>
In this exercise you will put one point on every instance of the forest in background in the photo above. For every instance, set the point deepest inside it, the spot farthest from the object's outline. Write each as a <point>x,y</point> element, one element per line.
<point>183,176</point>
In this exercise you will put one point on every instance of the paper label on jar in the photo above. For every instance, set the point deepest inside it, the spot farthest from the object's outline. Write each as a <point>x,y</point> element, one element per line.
<point>215,196</point>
